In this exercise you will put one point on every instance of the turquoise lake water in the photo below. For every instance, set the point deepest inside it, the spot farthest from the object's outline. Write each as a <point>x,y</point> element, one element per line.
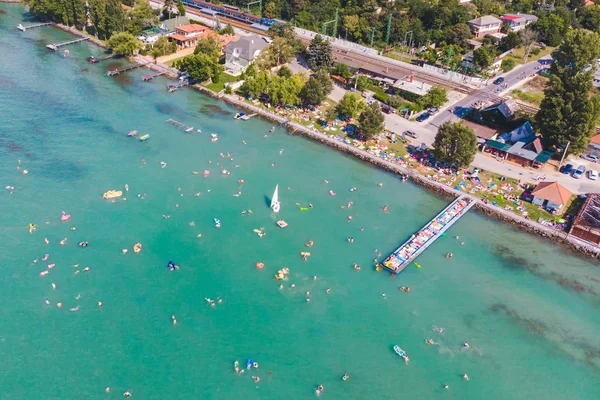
<point>529,308</point>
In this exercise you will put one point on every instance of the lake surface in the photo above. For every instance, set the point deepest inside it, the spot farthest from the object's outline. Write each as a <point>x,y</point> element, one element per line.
<point>529,308</point>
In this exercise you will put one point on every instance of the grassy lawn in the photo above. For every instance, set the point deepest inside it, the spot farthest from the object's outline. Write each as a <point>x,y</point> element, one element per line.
<point>532,92</point>
<point>223,78</point>
<point>519,53</point>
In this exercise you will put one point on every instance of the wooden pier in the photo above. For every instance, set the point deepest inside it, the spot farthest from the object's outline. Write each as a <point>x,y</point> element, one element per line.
<point>420,241</point>
<point>124,69</point>
<point>23,28</point>
<point>181,126</point>
<point>55,46</point>
<point>94,60</point>
<point>177,86</point>
<point>149,77</point>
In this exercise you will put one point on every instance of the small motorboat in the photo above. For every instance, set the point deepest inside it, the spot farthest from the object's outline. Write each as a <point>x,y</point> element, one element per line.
<point>132,133</point>
<point>145,137</point>
<point>217,222</point>
<point>399,351</point>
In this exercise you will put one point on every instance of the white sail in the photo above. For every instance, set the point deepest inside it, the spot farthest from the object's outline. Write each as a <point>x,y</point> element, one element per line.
<point>275,205</point>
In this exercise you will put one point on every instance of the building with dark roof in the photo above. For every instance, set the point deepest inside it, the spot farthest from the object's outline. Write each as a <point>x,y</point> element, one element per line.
<point>586,225</point>
<point>239,54</point>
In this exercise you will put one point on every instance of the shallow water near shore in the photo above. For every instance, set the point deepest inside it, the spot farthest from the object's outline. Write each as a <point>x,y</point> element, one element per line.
<point>528,307</point>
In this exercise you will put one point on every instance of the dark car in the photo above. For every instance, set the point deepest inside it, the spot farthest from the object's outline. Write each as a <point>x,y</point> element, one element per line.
<point>499,80</point>
<point>567,169</point>
<point>423,117</point>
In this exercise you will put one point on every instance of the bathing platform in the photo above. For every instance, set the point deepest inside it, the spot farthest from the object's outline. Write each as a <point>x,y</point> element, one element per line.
<point>124,69</point>
<point>420,241</point>
<point>23,28</point>
<point>55,46</point>
<point>181,126</point>
<point>149,77</point>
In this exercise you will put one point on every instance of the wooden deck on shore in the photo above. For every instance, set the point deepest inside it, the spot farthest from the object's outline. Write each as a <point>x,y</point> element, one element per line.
<point>420,241</point>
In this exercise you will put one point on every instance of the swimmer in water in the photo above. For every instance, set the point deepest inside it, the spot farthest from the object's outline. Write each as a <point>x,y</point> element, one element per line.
<point>466,345</point>
<point>345,377</point>
<point>62,242</point>
<point>173,319</point>
<point>385,208</point>
<point>99,304</point>
<point>465,377</point>
<point>430,341</point>
<point>446,386</point>
<point>127,394</point>
<point>328,290</point>
<point>256,379</point>
<point>357,267</point>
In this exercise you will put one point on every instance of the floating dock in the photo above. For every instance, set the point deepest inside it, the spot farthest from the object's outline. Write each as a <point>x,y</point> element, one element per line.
<point>181,126</point>
<point>23,28</point>
<point>94,60</point>
<point>244,117</point>
<point>55,46</point>
<point>149,77</point>
<point>124,69</point>
<point>420,241</point>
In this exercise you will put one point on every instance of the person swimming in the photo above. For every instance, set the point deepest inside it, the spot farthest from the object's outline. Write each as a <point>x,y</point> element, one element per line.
<point>465,377</point>
<point>345,377</point>
<point>430,341</point>
<point>466,345</point>
<point>83,244</point>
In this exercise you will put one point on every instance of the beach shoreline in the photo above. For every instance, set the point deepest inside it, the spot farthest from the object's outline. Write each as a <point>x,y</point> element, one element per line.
<point>534,227</point>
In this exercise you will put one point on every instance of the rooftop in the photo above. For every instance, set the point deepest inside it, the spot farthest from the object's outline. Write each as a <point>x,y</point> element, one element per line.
<point>247,46</point>
<point>191,28</point>
<point>589,215</point>
<point>552,191</point>
<point>416,87</point>
<point>485,20</point>
<point>480,131</point>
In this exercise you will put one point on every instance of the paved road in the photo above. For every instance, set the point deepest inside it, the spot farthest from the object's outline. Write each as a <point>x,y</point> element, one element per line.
<point>487,93</point>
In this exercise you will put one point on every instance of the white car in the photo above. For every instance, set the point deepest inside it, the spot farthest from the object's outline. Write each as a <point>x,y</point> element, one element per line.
<point>593,175</point>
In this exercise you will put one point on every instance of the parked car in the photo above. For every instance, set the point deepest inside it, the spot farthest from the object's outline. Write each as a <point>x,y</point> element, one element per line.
<point>589,157</point>
<point>567,169</point>
<point>499,80</point>
<point>593,175</point>
<point>578,173</point>
<point>412,134</point>
<point>433,110</point>
<point>423,117</point>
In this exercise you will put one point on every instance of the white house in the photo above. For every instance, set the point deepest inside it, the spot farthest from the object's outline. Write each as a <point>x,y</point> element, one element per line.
<point>517,22</point>
<point>485,25</point>
<point>551,195</point>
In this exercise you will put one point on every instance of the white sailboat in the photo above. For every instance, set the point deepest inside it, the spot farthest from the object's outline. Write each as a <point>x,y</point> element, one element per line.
<point>275,205</point>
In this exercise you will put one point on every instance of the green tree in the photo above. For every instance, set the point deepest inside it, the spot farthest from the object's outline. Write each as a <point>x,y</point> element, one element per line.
<point>551,28</point>
<point>331,114</point>
<point>279,52</point>
<point>568,112</point>
<point>319,53</point>
<point>483,57</point>
<point>209,45</point>
<point>284,90</point>
<point>163,47</point>
<point>508,64</point>
<point>180,8</point>
<point>511,41</point>
<point>227,30</point>
<point>167,9</point>
<point>351,105</point>
<point>455,144</point>
<point>200,67</point>
<point>436,97</point>
<point>371,120</point>
<point>255,85</point>
<point>124,44</point>
<point>458,35</point>
<point>141,17</point>
<point>317,88</point>
<point>270,9</point>
<point>341,70</point>
<point>285,72</point>
<point>589,18</point>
